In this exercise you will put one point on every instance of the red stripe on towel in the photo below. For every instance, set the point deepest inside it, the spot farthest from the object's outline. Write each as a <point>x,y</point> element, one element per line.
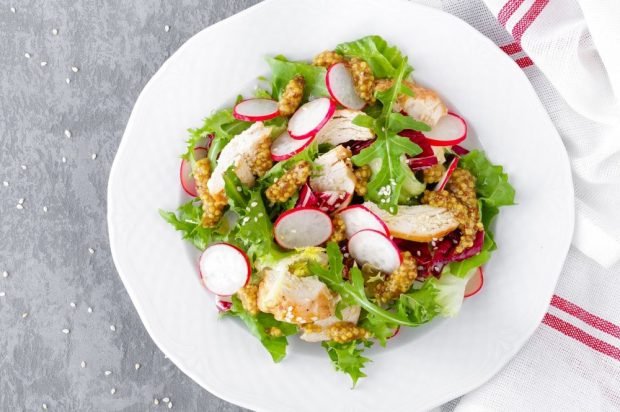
<point>508,10</point>
<point>528,18</point>
<point>585,316</point>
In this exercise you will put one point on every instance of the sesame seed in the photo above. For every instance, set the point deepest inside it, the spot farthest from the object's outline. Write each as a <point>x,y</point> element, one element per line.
<point>5,183</point>
<point>113,391</point>
<point>107,373</point>
<point>68,80</point>
<point>166,28</point>
<point>90,310</point>
<point>24,315</point>
<point>2,294</point>
<point>137,366</point>
<point>166,400</point>
<point>13,10</point>
<point>83,364</point>
<point>45,209</point>
<point>91,250</point>
<point>5,274</point>
<point>20,207</point>
<point>64,159</point>
<point>238,188</point>
<point>68,134</point>
<point>44,406</point>
<point>65,331</point>
<point>27,55</point>
<point>253,204</point>
<point>24,167</point>
<point>169,405</point>
<point>113,328</point>
<point>21,201</point>
<point>74,69</point>
<point>72,304</point>
<point>55,32</point>
<point>156,401</point>
<point>93,156</point>
<point>43,64</point>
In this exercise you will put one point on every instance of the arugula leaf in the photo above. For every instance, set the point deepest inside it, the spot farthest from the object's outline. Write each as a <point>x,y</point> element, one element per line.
<point>223,126</point>
<point>254,229</point>
<point>420,305</point>
<point>387,154</point>
<point>380,329</point>
<point>260,326</point>
<point>284,70</point>
<point>347,357</point>
<point>384,60</point>
<point>187,220</point>
<point>352,293</point>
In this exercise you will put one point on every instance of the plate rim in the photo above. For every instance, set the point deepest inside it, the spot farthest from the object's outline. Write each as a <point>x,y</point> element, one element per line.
<point>230,397</point>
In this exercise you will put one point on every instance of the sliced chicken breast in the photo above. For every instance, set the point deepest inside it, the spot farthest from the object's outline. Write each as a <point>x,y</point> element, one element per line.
<point>318,332</point>
<point>334,172</point>
<point>340,129</point>
<point>295,299</point>
<point>425,105</point>
<point>420,223</point>
<point>240,153</point>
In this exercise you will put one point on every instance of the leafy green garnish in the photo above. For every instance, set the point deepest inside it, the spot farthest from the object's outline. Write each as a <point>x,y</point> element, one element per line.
<point>384,60</point>
<point>347,357</point>
<point>260,326</point>
<point>187,220</point>
<point>389,149</point>
<point>223,126</point>
<point>284,70</point>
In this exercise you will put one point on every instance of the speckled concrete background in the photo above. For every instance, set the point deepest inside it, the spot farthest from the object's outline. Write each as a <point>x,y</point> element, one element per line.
<point>116,47</point>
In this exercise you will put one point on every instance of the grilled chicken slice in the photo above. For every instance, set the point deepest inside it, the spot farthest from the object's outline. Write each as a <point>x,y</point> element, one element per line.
<point>425,105</point>
<point>240,153</point>
<point>295,299</point>
<point>318,331</point>
<point>334,172</point>
<point>340,129</point>
<point>421,223</point>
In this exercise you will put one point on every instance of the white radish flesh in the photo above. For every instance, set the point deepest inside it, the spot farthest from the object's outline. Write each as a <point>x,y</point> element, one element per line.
<point>224,268</point>
<point>341,87</point>
<point>443,181</point>
<point>302,227</point>
<point>374,248</point>
<point>187,179</point>
<point>254,110</point>
<point>474,284</point>
<point>310,118</point>
<point>358,217</point>
<point>450,130</point>
<point>285,146</point>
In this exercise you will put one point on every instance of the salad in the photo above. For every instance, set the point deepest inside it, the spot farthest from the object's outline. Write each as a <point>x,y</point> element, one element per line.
<point>338,204</point>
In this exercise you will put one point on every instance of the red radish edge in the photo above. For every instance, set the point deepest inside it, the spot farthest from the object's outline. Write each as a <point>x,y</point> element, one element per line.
<point>450,142</point>
<point>187,180</point>
<point>298,210</point>
<point>355,102</point>
<point>223,303</point>
<point>245,256</point>
<point>257,117</point>
<point>417,163</point>
<point>446,176</point>
<point>393,335</point>
<point>295,146</point>
<point>394,245</point>
<point>477,284</point>
<point>386,230</point>
<point>459,150</point>
<point>328,115</point>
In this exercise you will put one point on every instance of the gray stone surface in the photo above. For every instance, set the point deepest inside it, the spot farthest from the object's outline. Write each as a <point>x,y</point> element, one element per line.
<point>116,46</point>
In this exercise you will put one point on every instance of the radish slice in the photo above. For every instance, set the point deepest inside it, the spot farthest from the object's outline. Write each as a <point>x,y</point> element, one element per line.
<point>187,179</point>
<point>341,88</point>
<point>254,110</point>
<point>475,283</point>
<point>451,129</point>
<point>223,303</point>
<point>459,150</point>
<point>302,227</point>
<point>417,163</point>
<point>446,176</point>
<point>333,200</point>
<point>358,217</point>
<point>285,146</point>
<point>393,335</point>
<point>224,268</point>
<point>310,118</point>
<point>373,247</point>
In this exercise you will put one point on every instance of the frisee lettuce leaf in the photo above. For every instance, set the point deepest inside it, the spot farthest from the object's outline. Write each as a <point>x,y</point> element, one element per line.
<point>388,151</point>
<point>283,71</point>
<point>260,326</point>
<point>347,357</point>
<point>384,60</point>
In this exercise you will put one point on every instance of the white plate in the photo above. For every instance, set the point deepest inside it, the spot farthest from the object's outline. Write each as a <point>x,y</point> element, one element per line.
<point>420,368</point>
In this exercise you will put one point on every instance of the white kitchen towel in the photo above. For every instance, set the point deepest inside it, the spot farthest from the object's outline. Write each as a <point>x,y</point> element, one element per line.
<point>570,50</point>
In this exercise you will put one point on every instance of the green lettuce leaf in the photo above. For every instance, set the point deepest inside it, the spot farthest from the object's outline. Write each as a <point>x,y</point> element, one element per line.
<point>384,59</point>
<point>260,326</point>
<point>283,71</point>
<point>347,357</point>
